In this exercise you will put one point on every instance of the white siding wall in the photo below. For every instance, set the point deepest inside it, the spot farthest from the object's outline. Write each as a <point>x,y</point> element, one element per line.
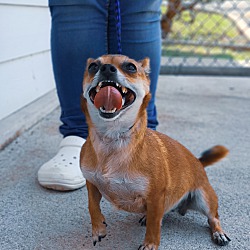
<point>25,63</point>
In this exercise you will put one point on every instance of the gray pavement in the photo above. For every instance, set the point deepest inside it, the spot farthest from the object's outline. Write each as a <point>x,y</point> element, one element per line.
<point>199,112</point>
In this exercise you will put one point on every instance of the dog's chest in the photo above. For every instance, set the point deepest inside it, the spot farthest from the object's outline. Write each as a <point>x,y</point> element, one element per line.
<point>126,192</point>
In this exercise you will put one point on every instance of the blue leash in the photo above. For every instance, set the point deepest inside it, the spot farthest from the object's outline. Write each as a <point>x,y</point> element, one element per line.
<point>118,26</point>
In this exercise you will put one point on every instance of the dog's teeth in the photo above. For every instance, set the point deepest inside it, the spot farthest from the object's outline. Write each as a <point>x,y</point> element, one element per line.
<point>102,110</point>
<point>123,101</point>
<point>118,85</point>
<point>100,84</point>
<point>124,90</point>
<point>97,89</point>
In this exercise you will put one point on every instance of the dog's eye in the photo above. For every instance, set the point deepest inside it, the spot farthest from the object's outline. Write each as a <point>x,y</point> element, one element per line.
<point>130,67</point>
<point>93,68</point>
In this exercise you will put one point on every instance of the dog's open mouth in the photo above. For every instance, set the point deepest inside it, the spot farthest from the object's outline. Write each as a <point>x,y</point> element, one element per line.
<point>110,98</point>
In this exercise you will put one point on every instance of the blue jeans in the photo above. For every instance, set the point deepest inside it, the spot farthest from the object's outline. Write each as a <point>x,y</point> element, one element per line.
<point>80,31</point>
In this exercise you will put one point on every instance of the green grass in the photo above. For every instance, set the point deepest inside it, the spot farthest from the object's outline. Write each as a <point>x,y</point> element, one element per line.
<point>209,28</point>
<point>190,51</point>
<point>203,52</point>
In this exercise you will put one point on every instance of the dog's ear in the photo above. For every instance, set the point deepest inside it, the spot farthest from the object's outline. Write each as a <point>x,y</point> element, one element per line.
<point>145,63</point>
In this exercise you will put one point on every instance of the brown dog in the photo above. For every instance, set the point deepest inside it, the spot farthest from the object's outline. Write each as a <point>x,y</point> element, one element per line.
<point>137,169</point>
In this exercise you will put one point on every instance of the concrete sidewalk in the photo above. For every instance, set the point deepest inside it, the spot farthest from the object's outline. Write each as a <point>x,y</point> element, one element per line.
<point>199,112</point>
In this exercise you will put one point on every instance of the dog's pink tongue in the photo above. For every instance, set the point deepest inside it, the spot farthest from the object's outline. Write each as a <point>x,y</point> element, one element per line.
<point>108,98</point>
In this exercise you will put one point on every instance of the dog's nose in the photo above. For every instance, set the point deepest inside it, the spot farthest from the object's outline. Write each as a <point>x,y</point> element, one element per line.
<point>108,69</point>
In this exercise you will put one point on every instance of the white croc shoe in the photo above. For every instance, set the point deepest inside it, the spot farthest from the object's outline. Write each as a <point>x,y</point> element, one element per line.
<point>63,171</point>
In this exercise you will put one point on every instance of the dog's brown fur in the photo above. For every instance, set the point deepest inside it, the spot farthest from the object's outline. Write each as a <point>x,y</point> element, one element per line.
<point>174,178</point>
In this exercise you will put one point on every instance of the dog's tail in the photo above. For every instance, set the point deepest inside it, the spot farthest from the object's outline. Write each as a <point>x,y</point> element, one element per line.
<point>213,155</point>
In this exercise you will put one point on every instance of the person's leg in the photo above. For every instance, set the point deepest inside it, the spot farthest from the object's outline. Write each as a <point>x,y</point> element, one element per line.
<point>140,38</point>
<point>77,33</point>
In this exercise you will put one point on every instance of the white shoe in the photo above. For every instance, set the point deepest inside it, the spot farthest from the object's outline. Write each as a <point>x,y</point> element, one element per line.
<point>63,171</point>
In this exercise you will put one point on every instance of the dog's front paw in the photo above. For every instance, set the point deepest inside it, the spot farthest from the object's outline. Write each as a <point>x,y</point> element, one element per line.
<point>220,238</point>
<point>149,246</point>
<point>99,232</point>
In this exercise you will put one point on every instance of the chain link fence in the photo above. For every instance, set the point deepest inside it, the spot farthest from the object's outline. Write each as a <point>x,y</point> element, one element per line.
<point>206,37</point>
